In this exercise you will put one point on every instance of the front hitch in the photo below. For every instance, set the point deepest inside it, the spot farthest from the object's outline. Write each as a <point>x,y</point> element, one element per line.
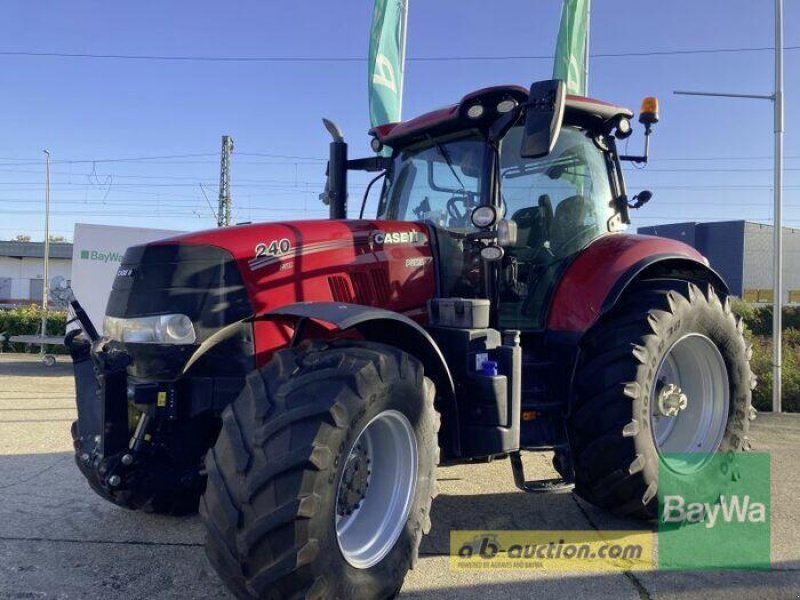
<point>101,384</point>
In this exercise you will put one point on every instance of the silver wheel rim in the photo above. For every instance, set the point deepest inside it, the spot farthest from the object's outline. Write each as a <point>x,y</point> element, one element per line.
<point>694,368</point>
<point>376,489</point>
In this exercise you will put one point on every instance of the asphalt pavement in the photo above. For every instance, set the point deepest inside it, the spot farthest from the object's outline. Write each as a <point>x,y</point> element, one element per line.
<point>60,541</point>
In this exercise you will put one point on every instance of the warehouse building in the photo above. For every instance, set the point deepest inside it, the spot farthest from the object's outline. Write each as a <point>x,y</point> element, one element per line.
<point>22,270</point>
<point>741,251</point>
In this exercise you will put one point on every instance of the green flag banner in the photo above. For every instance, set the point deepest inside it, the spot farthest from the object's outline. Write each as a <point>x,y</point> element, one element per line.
<point>571,47</point>
<point>387,54</point>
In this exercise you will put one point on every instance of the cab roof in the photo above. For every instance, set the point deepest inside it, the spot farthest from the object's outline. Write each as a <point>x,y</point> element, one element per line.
<point>578,110</point>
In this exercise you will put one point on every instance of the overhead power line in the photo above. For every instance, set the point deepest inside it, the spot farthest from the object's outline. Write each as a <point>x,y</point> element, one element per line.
<point>357,59</point>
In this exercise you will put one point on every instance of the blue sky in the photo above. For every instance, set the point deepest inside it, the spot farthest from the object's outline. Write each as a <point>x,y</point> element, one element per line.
<point>86,111</point>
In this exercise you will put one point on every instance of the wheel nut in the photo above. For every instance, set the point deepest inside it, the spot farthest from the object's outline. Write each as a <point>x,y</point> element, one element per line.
<point>671,400</point>
<point>127,459</point>
<point>114,480</point>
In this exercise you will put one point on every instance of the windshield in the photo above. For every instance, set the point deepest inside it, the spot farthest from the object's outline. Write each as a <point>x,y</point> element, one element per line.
<point>438,181</point>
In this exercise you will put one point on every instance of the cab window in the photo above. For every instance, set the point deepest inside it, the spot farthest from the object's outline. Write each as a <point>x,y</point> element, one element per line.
<point>560,204</point>
<point>437,182</point>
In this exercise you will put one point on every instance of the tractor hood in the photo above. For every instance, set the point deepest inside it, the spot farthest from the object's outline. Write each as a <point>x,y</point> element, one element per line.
<point>283,263</point>
<point>223,276</point>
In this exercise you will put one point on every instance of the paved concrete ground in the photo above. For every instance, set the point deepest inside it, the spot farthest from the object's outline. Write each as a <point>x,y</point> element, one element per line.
<point>59,541</point>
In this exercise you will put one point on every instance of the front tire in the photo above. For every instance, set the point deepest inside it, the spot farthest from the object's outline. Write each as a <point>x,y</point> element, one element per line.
<point>289,509</point>
<point>666,373</point>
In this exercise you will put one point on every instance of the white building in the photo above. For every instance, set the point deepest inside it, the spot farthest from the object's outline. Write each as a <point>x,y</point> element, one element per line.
<point>22,270</point>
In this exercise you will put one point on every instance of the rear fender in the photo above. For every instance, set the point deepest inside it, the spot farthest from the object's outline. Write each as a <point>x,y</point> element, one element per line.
<point>393,329</point>
<point>665,267</point>
<point>600,274</point>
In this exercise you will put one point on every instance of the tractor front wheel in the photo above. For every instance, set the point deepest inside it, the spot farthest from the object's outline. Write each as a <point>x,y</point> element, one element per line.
<point>321,481</point>
<point>664,379</point>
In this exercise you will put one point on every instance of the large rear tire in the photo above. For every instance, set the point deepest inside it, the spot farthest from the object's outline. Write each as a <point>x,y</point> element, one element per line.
<point>667,372</point>
<point>321,481</point>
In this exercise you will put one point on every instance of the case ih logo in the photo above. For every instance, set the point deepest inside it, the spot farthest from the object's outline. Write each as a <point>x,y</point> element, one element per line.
<point>399,237</point>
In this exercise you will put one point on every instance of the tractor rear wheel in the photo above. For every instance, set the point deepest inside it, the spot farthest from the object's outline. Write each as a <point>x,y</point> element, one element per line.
<point>666,373</point>
<point>321,481</point>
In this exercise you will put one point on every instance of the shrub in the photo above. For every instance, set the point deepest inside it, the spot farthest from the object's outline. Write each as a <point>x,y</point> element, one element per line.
<point>27,320</point>
<point>762,367</point>
<point>758,331</point>
<point>759,318</point>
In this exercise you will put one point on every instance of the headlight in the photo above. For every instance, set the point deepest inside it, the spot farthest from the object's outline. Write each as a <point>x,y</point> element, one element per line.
<point>484,216</point>
<point>160,329</point>
<point>475,111</point>
<point>505,106</point>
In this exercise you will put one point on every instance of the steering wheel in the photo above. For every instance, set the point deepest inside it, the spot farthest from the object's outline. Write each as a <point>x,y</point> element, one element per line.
<point>457,217</point>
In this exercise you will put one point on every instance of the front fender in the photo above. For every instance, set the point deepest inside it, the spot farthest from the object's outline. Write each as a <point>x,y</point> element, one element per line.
<point>393,329</point>
<point>601,273</point>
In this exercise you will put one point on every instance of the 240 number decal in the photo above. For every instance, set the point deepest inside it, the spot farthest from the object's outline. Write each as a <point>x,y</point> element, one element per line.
<point>273,248</point>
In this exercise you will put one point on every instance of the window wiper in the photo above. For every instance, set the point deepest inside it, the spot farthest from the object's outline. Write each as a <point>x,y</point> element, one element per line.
<point>446,156</point>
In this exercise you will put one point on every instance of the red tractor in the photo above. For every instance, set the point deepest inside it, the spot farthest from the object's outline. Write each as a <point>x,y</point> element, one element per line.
<point>302,381</point>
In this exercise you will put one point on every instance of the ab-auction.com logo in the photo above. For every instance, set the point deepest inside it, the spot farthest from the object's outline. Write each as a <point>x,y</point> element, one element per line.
<point>573,550</point>
<point>105,257</point>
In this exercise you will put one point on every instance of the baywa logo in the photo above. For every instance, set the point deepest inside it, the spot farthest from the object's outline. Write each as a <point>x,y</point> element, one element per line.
<point>714,511</point>
<point>101,256</point>
<point>732,509</point>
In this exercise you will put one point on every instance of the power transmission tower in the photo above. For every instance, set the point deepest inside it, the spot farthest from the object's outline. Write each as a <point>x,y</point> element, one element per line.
<point>224,207</point>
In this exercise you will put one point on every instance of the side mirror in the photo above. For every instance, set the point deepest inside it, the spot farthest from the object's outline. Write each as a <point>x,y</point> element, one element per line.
<point>640,199</point>
<point>543,116</point>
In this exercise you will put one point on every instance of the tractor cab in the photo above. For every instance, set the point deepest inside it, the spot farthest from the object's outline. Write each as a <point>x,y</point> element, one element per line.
<point>513,186</point>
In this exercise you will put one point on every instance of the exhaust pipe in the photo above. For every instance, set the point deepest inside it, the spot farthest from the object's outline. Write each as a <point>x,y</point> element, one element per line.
<point>335,195</point>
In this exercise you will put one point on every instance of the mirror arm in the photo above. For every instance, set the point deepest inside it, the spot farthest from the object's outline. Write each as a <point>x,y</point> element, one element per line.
<point>648,129</point>
<point>372,164</point>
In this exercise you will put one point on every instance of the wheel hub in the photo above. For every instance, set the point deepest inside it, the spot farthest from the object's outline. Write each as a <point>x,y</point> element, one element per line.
<point>693,367</point>
<point>671,400</point>
<point>376,489</point>
<point>355,481</point>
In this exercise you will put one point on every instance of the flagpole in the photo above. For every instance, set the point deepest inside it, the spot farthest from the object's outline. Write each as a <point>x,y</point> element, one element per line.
<point>586,49</point>
<point>403,61</point>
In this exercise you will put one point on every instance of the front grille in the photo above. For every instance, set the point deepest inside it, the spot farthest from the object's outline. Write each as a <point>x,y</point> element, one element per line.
<point>201,282</point>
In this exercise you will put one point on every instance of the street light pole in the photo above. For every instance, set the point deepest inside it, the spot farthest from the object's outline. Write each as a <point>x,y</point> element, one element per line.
<point>46,282</point>
<point>777,317</point>
<point>777,276</point>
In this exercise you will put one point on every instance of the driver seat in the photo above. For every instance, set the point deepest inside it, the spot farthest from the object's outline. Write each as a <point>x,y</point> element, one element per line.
<point>533,227</point>
<point>568,221</point>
